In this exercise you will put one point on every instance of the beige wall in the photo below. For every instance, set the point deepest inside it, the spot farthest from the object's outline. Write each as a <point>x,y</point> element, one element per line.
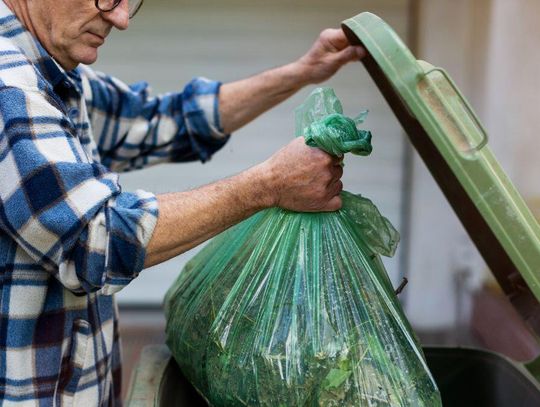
<point>170,41</point>
<point>513,91</point>
<point>453,35</point>
<point>490,48</point>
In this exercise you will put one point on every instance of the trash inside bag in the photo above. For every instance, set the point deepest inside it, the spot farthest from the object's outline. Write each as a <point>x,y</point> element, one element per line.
<point>296,309</point>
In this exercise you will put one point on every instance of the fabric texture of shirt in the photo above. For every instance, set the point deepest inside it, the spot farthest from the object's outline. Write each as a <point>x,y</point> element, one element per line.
<point>69,236</point>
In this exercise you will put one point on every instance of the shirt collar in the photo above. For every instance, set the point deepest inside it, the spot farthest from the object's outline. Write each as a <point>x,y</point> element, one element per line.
<point>12,29</point>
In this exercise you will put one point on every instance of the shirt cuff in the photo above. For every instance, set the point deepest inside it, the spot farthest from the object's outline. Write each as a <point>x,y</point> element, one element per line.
<point>132,218</point>
<point>201,116</point>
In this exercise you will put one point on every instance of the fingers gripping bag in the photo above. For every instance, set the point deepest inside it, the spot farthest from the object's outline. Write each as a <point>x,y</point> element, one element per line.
<point>296,309</point>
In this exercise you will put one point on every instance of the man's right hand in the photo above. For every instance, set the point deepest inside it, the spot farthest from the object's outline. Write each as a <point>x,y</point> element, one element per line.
<point>303,178</point>
<point>297,177</point>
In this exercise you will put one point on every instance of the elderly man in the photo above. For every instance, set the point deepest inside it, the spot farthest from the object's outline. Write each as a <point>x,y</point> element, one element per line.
<point>69,237</point>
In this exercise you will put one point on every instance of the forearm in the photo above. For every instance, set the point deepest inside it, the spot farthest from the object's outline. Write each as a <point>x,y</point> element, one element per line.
<point>297,177</point>
<point>189,218</point>
<point>244,100</point>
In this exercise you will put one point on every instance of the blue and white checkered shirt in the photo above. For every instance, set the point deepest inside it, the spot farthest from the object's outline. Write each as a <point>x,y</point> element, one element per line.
<point>69,237</point>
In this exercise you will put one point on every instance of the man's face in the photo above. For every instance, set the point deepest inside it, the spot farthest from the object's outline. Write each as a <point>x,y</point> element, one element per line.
<point>73,30</point>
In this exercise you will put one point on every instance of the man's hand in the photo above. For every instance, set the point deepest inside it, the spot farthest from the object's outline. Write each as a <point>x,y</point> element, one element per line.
<point>330,52</point>
<point>242,101</point>
<point>297,177</point>
<point>304,178</point>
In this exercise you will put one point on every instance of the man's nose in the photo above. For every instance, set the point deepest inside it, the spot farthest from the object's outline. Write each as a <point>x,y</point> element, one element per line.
<point>119,16</point>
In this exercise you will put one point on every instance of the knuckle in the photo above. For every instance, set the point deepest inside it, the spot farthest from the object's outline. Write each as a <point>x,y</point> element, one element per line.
<point>299,140</point>
<point>327,160</point>
<point>338,172</point>
<point>328,33</point>
<point>326,178</point>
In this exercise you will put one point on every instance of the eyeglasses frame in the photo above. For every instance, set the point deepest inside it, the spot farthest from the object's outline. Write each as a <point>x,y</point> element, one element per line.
<point>116,4</point>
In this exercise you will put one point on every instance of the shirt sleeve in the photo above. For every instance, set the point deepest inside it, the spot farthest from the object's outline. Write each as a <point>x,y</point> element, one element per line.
<point>133,130</point>
<point>67,214</point>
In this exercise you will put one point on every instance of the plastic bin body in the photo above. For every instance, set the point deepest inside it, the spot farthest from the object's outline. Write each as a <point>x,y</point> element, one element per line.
<point>466,377</point>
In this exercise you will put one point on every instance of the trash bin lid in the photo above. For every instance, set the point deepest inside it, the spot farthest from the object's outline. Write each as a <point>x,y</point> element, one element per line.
<point>453,144</point>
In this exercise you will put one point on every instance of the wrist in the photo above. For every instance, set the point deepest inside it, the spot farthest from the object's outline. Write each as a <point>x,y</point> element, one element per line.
<point>297,73</point>
<point>264,185</point>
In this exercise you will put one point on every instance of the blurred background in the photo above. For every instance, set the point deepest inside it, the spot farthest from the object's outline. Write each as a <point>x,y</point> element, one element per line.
<point>490,49</point>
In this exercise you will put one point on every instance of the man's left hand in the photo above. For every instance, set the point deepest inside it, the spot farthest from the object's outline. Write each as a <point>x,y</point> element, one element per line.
<point>329,53</point>
<point>242,101</point>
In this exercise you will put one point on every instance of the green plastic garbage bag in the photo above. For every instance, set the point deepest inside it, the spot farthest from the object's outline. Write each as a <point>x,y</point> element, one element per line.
<point>296,309</point>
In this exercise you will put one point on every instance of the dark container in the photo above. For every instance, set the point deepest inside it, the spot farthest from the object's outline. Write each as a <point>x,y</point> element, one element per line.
<point>466,377</point>
<point>472,377</point>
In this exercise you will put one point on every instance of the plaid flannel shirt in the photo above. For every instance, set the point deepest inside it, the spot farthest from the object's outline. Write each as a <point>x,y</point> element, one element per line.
<point>69,237</point>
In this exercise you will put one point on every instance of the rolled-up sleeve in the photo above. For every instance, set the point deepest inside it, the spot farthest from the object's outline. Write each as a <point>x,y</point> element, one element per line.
<point>67,214</point>
<point>134,130</point>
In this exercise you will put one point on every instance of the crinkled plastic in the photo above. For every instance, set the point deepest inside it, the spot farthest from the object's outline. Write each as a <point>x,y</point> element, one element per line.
<point>295,309</point>
<point>321,121</point>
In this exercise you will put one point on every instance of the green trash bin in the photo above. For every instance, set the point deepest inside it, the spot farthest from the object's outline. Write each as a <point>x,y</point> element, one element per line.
<point>452,142</point>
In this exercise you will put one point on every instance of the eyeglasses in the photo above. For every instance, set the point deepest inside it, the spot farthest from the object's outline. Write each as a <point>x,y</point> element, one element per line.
<point>109,5</point>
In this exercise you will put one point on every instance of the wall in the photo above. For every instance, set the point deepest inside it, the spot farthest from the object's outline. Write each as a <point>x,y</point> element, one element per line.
<point>513,92</point>
<point>444,266</point>
<point>170,42</point>
<point>490,49</point>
